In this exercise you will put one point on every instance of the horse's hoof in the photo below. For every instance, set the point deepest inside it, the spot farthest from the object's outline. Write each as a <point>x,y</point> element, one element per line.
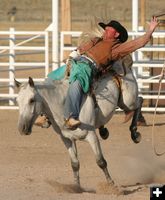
<point>46,124</point>
<point>42,121</point>
<point>104,133</point>
<point>136,137</point>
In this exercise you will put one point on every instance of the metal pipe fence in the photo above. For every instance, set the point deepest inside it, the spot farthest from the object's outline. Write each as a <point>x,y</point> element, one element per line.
<point>142,62</point>
<point>20,43</point>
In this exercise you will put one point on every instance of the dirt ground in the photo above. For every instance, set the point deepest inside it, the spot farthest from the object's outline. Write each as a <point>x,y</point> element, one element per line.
<point>37,167</point>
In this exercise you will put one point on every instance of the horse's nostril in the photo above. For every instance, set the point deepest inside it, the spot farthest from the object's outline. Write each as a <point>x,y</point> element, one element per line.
<point>24,127</point>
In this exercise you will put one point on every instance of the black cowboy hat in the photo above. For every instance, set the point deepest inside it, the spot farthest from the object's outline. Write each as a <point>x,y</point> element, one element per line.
<point>118,27</point>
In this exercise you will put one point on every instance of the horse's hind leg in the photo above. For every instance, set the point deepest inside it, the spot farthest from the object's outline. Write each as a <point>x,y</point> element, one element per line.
<point>141,120</point>
<point>136,136</point>
<point>101,162</point>
<point>104,133</point>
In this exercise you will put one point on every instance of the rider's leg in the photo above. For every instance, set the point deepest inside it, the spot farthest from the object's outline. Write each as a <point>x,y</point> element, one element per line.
<point>72,104</point>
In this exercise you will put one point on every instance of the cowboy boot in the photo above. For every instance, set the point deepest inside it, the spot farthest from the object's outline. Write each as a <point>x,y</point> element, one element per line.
<point>72,123</point>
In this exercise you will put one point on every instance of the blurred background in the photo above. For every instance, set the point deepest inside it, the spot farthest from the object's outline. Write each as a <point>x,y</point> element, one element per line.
<point>37,14</point>
<point>30,45</point>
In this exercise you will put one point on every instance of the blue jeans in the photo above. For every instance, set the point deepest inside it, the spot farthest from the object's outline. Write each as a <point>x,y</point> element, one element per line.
<point>73,100</point>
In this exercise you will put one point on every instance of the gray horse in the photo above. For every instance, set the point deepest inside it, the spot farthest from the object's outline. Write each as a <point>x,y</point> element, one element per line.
<point>49,96</point>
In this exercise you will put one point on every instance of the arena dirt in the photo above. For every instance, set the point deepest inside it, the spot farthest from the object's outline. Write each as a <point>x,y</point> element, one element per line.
<point>37,167</point>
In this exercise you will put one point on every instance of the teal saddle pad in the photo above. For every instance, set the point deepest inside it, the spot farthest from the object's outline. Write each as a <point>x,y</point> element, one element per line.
<point>57,74</point>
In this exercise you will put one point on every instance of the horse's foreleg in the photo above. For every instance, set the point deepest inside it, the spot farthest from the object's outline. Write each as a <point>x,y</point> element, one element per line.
<point>75,163</point>
<point>101,162</point>
<point>72,149</point>
<point>136,136</point>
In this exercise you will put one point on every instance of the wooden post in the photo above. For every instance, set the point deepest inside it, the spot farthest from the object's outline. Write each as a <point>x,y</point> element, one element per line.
<point>55,35</point>
<point>66,22</point>
<point>143,13</point>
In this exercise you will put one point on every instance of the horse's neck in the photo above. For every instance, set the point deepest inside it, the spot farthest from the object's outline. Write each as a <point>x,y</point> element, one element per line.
<point>53,97</point>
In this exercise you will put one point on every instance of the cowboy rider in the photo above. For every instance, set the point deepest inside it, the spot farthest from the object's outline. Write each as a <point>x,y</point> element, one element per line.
<point>94,57</point>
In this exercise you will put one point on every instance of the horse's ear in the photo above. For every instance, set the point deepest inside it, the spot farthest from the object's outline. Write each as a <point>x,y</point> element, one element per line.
<point>17,83</point>
<point>31,82</point>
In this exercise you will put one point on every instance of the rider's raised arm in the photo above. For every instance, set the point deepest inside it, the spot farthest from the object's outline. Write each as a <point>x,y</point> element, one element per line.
<point>131,46</point>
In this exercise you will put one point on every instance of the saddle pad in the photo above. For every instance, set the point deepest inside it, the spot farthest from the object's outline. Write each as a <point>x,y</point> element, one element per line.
<point>58,74</point>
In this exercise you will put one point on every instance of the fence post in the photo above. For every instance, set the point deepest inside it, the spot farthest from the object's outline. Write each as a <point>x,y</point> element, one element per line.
<point>11,64</point>
<point>46,53</point>
<point>61,47</point>
<point>55,39</point>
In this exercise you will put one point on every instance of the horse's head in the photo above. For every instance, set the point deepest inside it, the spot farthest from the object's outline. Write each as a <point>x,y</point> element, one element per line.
<point>30,105</point>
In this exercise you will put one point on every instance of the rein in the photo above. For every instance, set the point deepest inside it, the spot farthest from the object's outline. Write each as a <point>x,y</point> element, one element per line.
<point>153,123</point>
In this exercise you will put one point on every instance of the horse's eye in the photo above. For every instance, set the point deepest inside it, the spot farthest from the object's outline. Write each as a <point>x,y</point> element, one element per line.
<point>31,100</point>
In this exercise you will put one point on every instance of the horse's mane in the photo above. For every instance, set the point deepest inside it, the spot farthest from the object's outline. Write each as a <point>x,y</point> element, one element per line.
<point>49,84</point>
<point>94,31</point>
